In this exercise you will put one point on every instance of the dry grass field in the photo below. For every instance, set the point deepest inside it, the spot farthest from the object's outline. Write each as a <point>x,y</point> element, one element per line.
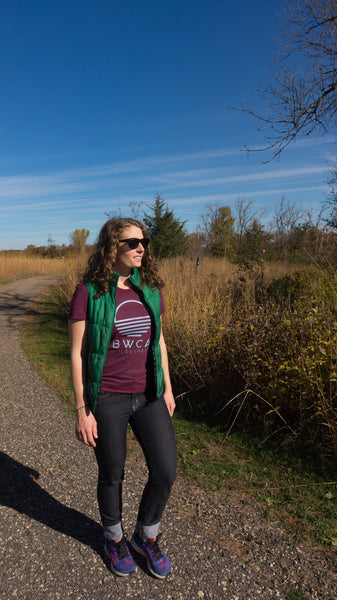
<point>16,265</point>
<point>257,347</point>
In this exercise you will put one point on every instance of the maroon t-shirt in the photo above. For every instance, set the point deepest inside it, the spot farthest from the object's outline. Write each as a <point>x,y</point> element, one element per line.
<point>125,365</point>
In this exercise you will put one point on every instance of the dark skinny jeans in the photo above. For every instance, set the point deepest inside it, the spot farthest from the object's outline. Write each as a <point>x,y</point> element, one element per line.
<point>152,426</point>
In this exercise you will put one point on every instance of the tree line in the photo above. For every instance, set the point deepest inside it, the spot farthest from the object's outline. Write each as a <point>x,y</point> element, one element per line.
<point>78,245</point>
<point>238,234</point>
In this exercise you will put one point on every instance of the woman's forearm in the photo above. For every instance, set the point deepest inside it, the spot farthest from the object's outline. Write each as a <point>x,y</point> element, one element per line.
<point>164,363</point>
<point>77,336</point>
<point>168,394</point>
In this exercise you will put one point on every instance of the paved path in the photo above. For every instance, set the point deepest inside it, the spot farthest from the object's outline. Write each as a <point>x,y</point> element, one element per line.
<point>51,540</point>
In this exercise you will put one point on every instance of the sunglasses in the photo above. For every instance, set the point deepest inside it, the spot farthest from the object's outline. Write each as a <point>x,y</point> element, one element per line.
<point>133,243</point>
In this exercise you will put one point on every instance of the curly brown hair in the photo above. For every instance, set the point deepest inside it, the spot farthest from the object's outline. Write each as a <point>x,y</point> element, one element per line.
<point>100,268</point>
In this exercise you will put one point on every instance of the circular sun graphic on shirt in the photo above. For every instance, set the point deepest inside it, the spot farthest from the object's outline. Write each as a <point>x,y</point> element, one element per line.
<point>134,326</point>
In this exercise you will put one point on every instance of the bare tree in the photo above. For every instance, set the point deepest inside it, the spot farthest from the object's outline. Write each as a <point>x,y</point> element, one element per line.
<point>331,203</point>
<point>136,209</point>
<point>315,224</point>
<point>300,97</point>
<point>285,219</point>
<point>245,216</point>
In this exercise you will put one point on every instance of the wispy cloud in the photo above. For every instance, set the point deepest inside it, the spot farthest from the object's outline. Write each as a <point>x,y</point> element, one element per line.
<point>225,197</point>
<point>239,178</point>
<point>77,180</point>
<point>82,196</point>
<point>90,178</point>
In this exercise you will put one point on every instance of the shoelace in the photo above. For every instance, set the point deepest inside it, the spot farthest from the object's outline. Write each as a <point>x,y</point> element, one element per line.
<point>155,549</point>
<point>121,548</point>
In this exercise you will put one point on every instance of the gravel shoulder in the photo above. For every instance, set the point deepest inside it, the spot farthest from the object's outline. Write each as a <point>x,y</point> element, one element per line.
<point>50,534</point>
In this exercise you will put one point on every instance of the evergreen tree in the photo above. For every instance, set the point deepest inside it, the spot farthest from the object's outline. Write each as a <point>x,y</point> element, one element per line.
<point>167,233</point>
<point>255,244</point>
<point>217,228</point>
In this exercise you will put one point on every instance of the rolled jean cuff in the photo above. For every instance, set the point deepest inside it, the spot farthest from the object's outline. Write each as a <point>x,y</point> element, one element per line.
<point>113,532</point>
<point>147,532</point>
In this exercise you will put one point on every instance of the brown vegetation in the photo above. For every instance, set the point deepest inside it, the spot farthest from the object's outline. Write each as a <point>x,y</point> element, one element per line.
<point>14,265</point>
<point>257,348</point>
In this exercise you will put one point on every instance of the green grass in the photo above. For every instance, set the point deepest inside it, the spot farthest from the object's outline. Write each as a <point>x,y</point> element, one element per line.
<point>293,487</point>
<point>44,336</point>
<point>297,595</point>
<point>297,490</point>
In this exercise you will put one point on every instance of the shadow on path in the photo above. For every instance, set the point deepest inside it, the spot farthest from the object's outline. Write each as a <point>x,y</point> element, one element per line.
<point>19,303</point>
<point>19,490</point>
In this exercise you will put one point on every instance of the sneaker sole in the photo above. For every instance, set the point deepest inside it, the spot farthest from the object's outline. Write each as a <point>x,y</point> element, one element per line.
<point>141,551</point>
<point>118,573</point>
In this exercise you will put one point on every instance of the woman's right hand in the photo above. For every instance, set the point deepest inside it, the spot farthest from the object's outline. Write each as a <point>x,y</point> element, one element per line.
<point>86,427</point>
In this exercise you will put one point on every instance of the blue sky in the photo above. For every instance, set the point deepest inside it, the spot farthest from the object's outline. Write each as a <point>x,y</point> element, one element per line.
<point>107,102</point>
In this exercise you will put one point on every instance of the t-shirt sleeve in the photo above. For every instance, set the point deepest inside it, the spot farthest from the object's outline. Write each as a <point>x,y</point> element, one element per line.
<point>163,309</point>
<point>79,303</point>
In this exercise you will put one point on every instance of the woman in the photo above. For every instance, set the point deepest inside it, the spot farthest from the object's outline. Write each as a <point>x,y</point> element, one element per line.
<point>120,375</point>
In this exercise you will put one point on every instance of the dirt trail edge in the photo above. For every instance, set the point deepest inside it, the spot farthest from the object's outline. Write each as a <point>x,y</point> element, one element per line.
<point>51,539</point>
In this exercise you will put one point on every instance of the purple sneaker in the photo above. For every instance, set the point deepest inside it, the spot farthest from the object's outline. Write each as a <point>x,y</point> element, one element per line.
<point>157,562</point>
<point>121,561</point>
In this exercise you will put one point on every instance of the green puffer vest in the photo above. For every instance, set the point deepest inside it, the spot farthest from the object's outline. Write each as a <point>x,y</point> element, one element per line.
<point>101,316</point>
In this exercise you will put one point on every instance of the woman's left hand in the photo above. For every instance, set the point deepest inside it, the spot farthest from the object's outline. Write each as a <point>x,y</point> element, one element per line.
<point>170,402</point>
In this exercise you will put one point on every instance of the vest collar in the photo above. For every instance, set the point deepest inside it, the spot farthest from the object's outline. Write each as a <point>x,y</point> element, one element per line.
<point>134,278</point>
